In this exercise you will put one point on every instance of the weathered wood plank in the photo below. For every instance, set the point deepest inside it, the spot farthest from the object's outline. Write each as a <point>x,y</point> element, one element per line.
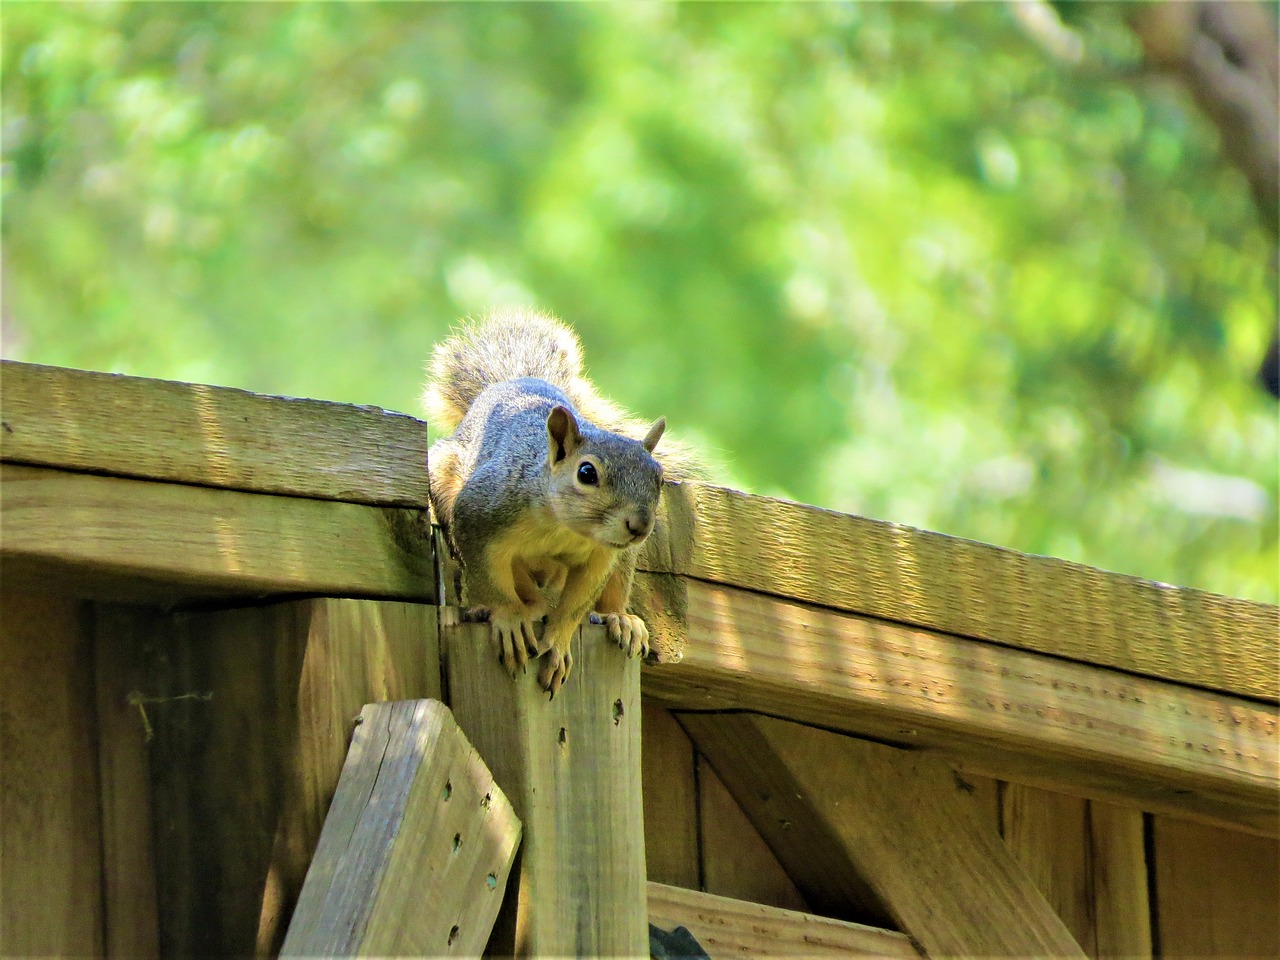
<point>1216,891</point>
<point>986,792</point>
<point>50,839</point>
<point>1088,858</point>
<point>895,821</point>
<point>670,800</point>
<point>1047,834</point>
<point>736,862</point>
<point>997,711</point>
<point>211,436</point>
<point>725,927</point>
<point>966,588</point>
<point>228,438</point>
<point>134,539</point>
<point>417,847</point>
<point>1121,881</point>
<point>252,710</point>
<point>572,770</point>
<point>128,858</point>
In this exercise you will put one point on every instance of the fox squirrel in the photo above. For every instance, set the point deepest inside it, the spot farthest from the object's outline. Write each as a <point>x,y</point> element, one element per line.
<point>545,488</point>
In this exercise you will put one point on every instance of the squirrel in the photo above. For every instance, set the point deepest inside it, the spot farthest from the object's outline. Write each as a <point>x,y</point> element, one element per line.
<point>545,489</point>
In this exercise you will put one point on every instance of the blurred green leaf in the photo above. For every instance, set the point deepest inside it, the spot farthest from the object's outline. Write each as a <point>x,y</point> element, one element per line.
<point>889,258</point>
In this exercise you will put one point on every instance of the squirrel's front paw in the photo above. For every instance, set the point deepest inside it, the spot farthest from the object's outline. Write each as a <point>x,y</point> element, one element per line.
<point>629,632</point>
<point>556,667</point>
<point>513,636</point>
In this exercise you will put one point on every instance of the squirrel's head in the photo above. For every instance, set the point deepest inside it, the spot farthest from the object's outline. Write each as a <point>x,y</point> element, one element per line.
<point>603,486</point>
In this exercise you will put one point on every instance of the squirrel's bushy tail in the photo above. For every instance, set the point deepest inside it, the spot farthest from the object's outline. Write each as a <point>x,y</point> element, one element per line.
<point>502,346</point>
<point>524,342</point>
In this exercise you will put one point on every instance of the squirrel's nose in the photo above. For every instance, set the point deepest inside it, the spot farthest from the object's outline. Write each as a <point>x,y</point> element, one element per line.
<point>639,525</point>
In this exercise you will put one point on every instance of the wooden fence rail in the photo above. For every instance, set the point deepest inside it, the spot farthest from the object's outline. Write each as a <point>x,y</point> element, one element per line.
<point>201,587</point>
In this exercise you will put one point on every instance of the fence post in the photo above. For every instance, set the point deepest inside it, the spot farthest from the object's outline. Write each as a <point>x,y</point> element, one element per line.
<point>571,768</point>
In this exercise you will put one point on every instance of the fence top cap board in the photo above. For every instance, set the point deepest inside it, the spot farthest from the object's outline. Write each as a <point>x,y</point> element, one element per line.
<point>220,437</point>
<point>210,436</point>
<point>969,589</point>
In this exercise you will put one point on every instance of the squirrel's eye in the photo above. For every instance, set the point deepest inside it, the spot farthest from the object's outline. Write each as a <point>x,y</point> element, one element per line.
<point>587,474</point>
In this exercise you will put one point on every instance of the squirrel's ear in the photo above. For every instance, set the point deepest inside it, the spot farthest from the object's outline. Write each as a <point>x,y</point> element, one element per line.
<point>655,434</point>
<point>563,435</point>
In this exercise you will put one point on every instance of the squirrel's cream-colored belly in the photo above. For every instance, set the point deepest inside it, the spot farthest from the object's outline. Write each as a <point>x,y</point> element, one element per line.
<point>533,539</point>
<point>535,554</point>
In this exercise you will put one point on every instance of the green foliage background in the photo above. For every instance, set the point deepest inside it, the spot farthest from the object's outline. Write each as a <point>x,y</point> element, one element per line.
<point>888,258</point>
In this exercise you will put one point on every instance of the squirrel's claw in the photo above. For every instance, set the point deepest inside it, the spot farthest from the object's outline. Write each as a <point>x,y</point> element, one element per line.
<point>513,636</point>
<point>556,668</point>
<point>629,632</point>
<point>530,641</point>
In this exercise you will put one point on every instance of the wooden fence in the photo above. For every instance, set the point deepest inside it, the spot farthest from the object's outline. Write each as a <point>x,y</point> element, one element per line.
<point>861,738</point>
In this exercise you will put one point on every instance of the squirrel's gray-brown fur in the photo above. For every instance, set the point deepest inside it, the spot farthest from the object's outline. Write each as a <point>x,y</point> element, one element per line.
<point>545,488</point>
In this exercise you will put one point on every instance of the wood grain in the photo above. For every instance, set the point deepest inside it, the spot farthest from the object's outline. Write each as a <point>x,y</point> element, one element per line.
<point>986,793</point>
<point>970,589</point>
<point>893,821</point>
<point>128,854</point>
<point>1047,834</point>
<point>572,769</point>
<point>1216,891</point>
<point>736,862</point>
<point>728,928</point>
<point>211,436</point>
<point>253,709</point>
<point>670,800</point>
<point>166,542</point>
<point>997,711</point>
<point>50,828</point>
<point>1088,858</point>
<point>417,846</point>
<point>1121,881</point>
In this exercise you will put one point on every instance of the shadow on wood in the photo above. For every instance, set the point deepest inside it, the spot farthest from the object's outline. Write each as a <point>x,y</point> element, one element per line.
<point>848,817</point>
<point>253,710</point>
<point>1012,714</point>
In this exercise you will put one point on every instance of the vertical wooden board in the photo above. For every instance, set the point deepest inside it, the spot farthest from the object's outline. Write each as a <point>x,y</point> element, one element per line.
<point>356,652</point>
<point>670,800</point>
<point>129,878</point>
<point>571,767</point>
<point>1121,881</point>
<point>417,847</point>
<point>253,710</point>
<point>736,861</point>
<point>1088,858</point>
<point>1048,834</point>
<point>1216,891</point>
<point>224,701</point>
<point>50,842</point>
